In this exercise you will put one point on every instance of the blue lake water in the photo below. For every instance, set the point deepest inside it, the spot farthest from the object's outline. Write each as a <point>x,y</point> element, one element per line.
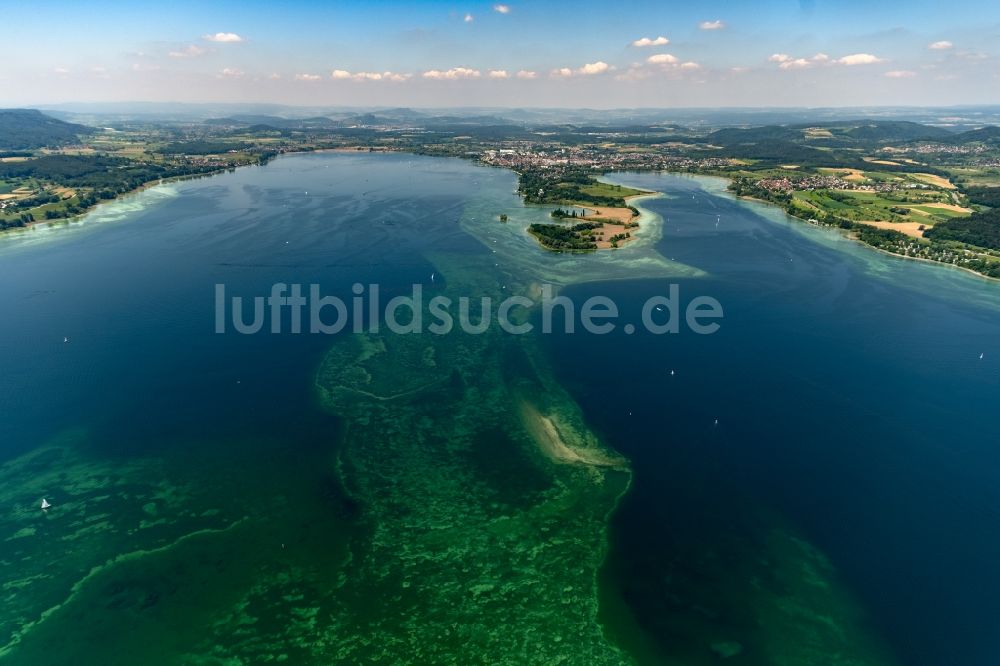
<point>854,414</point>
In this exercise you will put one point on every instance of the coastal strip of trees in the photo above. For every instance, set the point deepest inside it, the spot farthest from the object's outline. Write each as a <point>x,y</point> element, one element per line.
<point>967,242</point>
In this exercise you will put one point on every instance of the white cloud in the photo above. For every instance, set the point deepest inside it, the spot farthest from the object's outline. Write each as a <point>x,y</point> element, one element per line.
<point>231,73</point>
<point>711,25</point>
<point>646,41</point>
<point>498,73</point>
<point>527,74</point>
<point>900,74</point>
<point>590,69</point>
<point>394,77</point>
<point>61,70</point>
<point>598,67</point>
<point>786,61</point>
<point>943,45</point>
<point>662,59</point>
<point>226,37</point>
<point>275,76</point>
<point>453,73</point>
<point>858,59</point>
<point>308,77</point>
<point>344,75</point>
<point>501,9</point>
<point>468,18</point>
<point>796,63</point>
<point>189,51</point>
<point>664,62</point>
<point>659,63</point>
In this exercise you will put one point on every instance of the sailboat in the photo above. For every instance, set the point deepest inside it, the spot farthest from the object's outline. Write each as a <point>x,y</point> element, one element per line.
<point>45,504</point>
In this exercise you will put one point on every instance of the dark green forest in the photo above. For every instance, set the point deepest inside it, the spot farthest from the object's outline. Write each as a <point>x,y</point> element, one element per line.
<point>979,229</point>
<point>22,129</point>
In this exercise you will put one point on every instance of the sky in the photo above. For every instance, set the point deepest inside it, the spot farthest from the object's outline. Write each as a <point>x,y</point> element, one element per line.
<point>526,53</point>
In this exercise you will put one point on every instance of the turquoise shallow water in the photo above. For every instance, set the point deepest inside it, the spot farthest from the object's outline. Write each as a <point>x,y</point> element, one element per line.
<point>229,499</point>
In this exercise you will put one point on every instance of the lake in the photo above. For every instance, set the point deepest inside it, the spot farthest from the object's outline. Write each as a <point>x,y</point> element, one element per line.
<point>815,481</point>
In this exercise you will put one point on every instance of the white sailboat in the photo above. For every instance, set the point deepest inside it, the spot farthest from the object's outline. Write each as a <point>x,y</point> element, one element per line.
<point>45,504</point>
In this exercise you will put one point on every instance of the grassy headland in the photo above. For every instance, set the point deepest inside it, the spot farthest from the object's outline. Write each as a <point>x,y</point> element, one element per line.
<point>604,219</point>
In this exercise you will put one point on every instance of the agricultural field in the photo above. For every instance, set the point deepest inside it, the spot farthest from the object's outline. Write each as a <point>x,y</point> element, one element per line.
<point>975,177</point>
<point>600,189</point>
<point>920,207</point>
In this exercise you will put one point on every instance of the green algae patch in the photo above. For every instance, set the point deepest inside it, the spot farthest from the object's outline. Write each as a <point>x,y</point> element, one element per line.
<point>99,582</point>
<point>485,496</point>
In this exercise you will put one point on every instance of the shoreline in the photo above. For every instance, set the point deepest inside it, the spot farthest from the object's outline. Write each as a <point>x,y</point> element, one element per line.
<point>171,179</point>
<point>67,221</point>
<point>849,235</point>
<point>845,233</point>
<point>61,221</point>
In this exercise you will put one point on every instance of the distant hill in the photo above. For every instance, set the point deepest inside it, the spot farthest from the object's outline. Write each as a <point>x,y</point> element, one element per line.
<point>274,122</point>
<point>989,134</point>
<point>896,131</point>
<point>844,134</point>
<point>247,119</point>
<point>22,129</point>
<point>735,136</point>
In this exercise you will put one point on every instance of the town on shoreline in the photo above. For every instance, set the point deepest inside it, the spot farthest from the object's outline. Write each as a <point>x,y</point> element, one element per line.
<point>913,190</point>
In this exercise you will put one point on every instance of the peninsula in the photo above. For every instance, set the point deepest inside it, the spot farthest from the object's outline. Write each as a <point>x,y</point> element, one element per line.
<point>592,215</point>
<point>909,188</point>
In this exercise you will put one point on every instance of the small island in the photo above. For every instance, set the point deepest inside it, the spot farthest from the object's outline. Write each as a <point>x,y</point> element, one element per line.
<point>592,215</point>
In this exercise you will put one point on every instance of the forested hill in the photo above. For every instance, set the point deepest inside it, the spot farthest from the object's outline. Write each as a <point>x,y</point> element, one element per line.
<point>865,134</point>
<point>22,129</point>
